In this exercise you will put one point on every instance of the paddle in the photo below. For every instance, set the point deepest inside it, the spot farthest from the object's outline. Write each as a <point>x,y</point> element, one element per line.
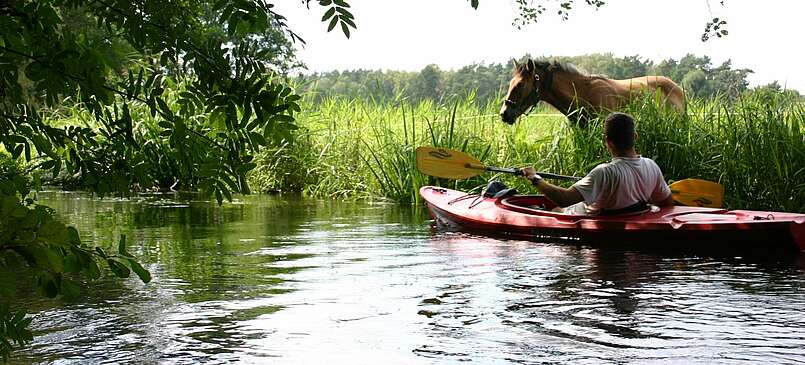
<point>452,164</point>
<point>698,193</point>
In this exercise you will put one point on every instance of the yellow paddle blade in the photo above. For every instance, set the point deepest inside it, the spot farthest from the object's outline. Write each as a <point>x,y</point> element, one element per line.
<point>698,193</point>
<point>447,163</point>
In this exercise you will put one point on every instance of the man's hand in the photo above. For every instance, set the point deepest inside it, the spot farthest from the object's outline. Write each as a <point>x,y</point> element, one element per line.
<point>529,172</point>
<point>559,195</point>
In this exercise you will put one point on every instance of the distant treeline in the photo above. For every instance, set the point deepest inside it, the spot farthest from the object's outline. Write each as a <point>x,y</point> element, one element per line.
<point>697,75</point>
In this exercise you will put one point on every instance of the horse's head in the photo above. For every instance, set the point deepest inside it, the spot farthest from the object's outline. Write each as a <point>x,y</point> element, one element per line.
<point>523,91</point>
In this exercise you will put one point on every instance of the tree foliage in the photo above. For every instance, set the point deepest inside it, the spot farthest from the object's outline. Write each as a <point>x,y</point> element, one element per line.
<point>228,104</point>
<point>33,243</point>
<point>696,74</point>
<point>177,96</point>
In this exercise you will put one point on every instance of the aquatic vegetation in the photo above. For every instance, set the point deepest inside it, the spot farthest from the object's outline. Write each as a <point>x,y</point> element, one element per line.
<point>365,149</point>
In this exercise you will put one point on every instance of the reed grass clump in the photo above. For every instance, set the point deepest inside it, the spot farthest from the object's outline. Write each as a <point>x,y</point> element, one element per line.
<point>365,149</point>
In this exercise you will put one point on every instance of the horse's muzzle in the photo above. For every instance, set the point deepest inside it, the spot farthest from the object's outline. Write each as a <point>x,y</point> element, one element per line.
<point>507,115</point>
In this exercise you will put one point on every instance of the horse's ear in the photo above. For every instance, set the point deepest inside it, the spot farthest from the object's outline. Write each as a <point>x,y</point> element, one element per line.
<point>516,65</point>
<point>530,67</point>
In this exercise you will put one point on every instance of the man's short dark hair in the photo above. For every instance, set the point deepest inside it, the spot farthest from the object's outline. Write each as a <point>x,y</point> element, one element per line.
<point>619,128</point>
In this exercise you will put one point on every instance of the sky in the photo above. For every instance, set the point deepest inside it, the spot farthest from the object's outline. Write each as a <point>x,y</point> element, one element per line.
<point>410,34</point>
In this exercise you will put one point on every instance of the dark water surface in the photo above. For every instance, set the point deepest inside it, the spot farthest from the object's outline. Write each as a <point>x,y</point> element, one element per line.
<point>273,280</point>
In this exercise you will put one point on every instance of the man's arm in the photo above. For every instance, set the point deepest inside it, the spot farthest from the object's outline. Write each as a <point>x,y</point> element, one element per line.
<point>667,202</point>
<point>557,194</point>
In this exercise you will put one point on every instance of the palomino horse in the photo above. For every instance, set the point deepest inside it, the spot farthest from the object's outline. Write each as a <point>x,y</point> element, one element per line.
<point>575,94</point>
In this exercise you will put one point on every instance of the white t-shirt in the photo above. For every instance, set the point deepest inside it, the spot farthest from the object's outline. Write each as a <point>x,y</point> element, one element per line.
<point>621,183</point>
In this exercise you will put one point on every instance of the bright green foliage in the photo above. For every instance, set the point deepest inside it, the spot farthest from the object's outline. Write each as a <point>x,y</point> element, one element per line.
<point>753,146</point>
<point>13,330</point>
<point>165,95</point>
<point>230,103</point>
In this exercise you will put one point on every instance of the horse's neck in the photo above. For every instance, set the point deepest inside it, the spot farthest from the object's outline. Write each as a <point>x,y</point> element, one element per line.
<point>565,92</point>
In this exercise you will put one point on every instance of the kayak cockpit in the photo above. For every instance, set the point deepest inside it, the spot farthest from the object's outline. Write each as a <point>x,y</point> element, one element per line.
<point>541,205</point>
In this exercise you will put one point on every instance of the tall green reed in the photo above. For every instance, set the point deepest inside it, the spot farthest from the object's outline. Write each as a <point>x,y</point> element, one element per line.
<point>365,149</point>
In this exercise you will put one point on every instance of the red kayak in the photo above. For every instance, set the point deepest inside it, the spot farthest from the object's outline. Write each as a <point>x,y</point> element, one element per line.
<point>530,216</point>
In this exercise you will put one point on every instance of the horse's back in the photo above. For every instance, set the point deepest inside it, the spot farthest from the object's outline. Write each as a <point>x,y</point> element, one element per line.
<point>673,94</point>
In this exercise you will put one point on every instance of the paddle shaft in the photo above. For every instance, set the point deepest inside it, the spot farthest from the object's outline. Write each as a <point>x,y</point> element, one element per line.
<point>516,171</point>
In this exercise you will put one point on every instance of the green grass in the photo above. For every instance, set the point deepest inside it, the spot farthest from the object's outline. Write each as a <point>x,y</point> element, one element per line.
<point>365,149</point>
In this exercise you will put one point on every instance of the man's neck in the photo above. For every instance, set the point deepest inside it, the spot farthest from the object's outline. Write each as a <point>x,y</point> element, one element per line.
<point>630,153</point>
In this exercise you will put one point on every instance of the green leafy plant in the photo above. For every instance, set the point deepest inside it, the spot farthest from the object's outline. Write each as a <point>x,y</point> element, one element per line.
<point>35,244</point>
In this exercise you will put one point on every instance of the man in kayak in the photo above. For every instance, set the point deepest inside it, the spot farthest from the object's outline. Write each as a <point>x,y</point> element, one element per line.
<point>627,183</point>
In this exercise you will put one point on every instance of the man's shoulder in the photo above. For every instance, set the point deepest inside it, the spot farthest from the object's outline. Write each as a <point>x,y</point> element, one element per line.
<point>602,170</point>
<point>649,162</point>
<point>601,167</point>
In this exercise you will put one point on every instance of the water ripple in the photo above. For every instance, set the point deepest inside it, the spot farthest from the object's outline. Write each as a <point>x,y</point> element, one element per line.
<point>276,281</point>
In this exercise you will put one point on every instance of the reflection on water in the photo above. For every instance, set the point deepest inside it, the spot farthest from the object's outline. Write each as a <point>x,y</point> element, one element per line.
<point>289,281</point>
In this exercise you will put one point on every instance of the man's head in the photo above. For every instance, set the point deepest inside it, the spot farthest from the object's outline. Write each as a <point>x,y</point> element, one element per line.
<point>619,132</point>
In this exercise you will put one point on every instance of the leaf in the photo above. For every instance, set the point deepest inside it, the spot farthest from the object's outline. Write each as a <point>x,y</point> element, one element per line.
<point>164,58</point>
<point>47,165</point>
<point>118,268</point>
<point>333,22</point>
<point>227,193</point>
<point>163,106</point>
<point>283,118</point>
<point>258,138</point>
<point>344,13</point>
<point>474,4</point>
<point>121,246</point>
<point>341,3</point>
<point>138,269</point>
<point>348,21</point>
<point>72,263</point>
<point>54,258</point>
<point>242,169</point>
<point>328,14</point>
<point>17,151</point>
<point>56,167</point>
<point>219,197</point>
<point>100,252</point>
<point>69,288</point>
<point>47,285</point>
<point>345,28</point>
<point>72,236</point>
<point>92,270</point>
<point>229,183</point>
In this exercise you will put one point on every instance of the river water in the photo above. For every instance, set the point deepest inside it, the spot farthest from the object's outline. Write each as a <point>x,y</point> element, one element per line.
<point>290,281</point>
